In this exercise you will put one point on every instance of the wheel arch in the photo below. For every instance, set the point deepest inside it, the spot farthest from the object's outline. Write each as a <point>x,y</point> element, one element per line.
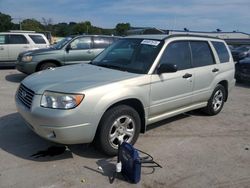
<point>135,104</point>
<point>224,83</point>
<point>58,63</point>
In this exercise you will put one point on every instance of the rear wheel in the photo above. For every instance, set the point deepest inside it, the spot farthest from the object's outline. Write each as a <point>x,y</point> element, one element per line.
<point>118,122</point>
<point>46,65</point>
<point>216,101</point>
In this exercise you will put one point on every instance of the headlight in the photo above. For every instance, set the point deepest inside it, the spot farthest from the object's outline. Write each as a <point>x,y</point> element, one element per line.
<point>60,100</point>
<point>27,58</point>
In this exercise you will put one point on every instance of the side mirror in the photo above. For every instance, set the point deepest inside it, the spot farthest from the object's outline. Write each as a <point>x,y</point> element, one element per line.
<point>68,48</point>
<point>164,68</point>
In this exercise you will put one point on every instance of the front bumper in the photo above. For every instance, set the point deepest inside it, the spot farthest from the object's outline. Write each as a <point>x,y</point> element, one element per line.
<point>26,67</point>
<point>61,126</point>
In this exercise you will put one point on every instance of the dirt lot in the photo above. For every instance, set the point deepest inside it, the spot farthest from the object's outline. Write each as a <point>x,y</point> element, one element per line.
<point>195,150</point>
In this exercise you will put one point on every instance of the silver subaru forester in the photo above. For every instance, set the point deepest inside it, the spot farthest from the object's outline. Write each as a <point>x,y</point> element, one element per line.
<point>135,82</point>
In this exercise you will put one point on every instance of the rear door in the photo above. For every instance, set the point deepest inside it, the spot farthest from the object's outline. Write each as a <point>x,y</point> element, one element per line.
<point>4,49</point>
<point>205,70</point>
<point>17,44</point>
<point>79,51</point>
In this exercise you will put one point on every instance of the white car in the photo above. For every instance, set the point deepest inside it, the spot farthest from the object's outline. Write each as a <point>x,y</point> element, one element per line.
<point>13,43</point>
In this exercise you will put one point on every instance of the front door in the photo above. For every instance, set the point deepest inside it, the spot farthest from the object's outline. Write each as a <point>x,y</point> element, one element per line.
<point>170,91</point>
<point>79,51</point>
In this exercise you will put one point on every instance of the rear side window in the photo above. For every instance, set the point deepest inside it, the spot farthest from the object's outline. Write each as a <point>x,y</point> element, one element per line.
<point>2,39</point>
<point>38,39</point>
<point>101,42</point>
<point>201,54</point>
<point>221,51</point>
<point>17,39</point>
<point>177,53</point>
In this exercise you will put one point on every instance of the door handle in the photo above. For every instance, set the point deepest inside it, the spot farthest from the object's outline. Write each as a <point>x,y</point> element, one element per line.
<point>25,47</point>
<point>215,70</point>
<point>187,75</point>
<point>1,48</point>
<point>89,51</point>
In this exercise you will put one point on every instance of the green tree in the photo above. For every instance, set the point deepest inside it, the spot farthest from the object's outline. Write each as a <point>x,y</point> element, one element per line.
<point>32,25</point>
<point>122,28</point>
<point>82,27</point>
<point>5,22</point>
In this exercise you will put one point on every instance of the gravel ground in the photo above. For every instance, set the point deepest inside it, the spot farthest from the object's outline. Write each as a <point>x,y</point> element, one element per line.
<point>195,150</point>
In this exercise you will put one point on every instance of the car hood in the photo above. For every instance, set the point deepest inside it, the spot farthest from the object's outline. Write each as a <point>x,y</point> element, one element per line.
<point>245,61</point>
<point>74,78</point>
<point>38,51</point>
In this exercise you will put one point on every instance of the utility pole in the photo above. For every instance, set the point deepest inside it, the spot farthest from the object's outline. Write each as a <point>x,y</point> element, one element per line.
<point>19,22</point>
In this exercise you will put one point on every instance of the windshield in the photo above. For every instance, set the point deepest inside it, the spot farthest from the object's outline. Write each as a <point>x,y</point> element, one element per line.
<point>61,43</point>
<point>131,55</point>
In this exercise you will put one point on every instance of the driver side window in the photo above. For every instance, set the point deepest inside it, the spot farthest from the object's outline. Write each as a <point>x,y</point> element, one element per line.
<point>177,53</point>
<point>81,43</point>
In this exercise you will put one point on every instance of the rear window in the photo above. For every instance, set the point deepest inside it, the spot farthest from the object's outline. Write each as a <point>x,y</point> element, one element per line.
<point>221,51</point>
<point>201,54</point>
<point>101,42</point>
<point>38,39</point>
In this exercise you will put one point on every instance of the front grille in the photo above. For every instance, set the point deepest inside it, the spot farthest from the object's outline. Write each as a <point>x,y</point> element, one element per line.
<point>25,95</point>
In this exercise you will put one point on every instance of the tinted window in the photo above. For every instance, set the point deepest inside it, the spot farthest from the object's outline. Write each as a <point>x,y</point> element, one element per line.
<point>101,42</point>
<point>17,39</point>
<point>221,51</point>
<point>2,39</point>
<point>201,53</point>
<point>81,43</point>
<point>177,53</point>
<point>38,39</point>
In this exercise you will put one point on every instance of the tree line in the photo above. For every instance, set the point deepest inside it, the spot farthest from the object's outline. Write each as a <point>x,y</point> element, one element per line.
<point>60,29</point>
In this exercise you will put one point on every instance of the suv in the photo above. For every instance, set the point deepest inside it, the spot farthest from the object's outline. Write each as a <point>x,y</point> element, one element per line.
<point>135,82</point>
<point>13,43</point>
<point>80,49</point>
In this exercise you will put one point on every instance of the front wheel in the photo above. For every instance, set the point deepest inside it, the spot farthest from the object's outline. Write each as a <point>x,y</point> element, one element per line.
<point>120,122</point>
<point>47,65</point>
<point>216,101</point>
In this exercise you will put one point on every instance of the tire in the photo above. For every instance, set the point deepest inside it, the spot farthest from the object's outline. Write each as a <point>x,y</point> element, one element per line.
<point>216,101</point>
<point>46,65</point>
<point>123,121</point>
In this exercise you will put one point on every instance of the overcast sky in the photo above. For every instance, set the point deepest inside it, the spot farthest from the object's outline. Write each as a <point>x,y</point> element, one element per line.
<point>203,15</point>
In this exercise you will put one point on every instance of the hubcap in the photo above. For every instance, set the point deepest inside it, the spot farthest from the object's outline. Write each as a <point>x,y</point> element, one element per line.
<point>217,100</point>
<point>123,127</point>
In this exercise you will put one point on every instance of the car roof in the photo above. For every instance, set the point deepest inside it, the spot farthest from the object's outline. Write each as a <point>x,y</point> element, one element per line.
<point>20,33</point>
<point>75,36</point>
<point>165,36</point>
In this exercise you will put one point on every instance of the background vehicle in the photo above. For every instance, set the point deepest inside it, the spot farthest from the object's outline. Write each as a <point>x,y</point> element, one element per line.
<point>240,52</point>
<point>13,43</point>
<point>137,81</point>
<point>242,70</point>
<point>80,49</point>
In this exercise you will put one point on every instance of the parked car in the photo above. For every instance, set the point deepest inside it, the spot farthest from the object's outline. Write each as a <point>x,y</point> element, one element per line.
<point>242,70</point>
<point>240,52</point>
<point>13,43</point>
<point>135,82</point>
<point>70,50</point>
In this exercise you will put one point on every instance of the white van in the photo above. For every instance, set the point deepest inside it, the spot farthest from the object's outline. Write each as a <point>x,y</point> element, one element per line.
<point>15,42</point>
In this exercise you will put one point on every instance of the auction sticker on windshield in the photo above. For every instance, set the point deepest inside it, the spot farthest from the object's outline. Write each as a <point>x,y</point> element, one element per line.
<point>151,42</point>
